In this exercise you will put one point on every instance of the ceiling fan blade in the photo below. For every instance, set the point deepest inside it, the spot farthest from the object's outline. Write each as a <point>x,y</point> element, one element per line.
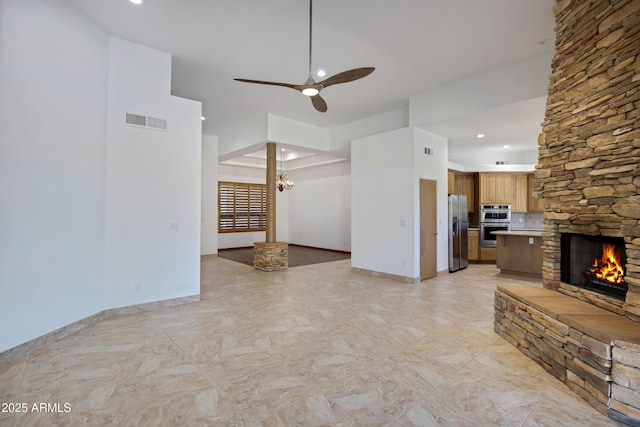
<point>347,76</point>
<point>262,82</point>
<point>319,103</point>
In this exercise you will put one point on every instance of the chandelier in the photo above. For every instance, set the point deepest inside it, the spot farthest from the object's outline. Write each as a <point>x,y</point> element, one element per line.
<point>282,180</point>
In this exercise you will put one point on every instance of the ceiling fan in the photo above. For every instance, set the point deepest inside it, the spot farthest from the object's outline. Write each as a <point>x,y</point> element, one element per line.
<point>311,88</point>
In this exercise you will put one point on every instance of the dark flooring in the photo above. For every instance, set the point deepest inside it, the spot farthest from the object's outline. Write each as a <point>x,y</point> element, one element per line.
<point>298,255</point>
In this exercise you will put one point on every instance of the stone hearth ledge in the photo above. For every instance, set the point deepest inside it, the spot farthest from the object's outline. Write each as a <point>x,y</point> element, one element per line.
<point>594,352</point>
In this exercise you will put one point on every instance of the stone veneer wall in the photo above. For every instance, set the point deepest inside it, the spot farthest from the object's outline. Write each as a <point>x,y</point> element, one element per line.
<point>589,150</point>
<point>625,397</point>
<point>271,256</point>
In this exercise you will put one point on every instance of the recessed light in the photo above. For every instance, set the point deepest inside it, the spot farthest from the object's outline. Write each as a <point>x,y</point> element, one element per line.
<point>480,135</point>
<point>505,146</point>
<point>136,1</point>
<point>321,73</point>
<point>202,118</point>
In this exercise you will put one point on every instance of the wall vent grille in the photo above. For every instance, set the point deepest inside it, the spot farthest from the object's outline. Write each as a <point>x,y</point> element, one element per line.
<point>145,121</point>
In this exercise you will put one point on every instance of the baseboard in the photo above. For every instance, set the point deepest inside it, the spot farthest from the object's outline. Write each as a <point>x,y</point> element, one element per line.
<point>71,328</point>
<point>397,278</point>
<point>291,244</point>
<point>323,249</point>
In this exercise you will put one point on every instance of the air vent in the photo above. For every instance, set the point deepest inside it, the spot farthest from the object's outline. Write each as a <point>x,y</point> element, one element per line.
<point>146,122</point>
<point>501,162</point>
<point>428,151</point>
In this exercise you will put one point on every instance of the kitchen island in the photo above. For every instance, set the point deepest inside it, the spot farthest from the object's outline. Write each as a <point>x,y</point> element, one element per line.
<point>519,252</point>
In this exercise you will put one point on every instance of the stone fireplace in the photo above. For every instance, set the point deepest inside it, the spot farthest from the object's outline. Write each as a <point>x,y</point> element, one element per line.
<point>588,175</point>
<point>589,150</point>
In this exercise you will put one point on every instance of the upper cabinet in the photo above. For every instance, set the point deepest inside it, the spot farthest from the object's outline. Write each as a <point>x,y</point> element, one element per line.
<point>520,193</point>
<point>465,184</point>
<point>495,188</point>
<point>451,182</point>
<point>504,188</point>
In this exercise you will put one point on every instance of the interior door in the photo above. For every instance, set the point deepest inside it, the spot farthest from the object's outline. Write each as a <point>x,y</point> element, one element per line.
<point>428,229</point>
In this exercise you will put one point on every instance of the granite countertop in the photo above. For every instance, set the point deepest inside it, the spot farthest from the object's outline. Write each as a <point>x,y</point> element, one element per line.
<point>527,233</point>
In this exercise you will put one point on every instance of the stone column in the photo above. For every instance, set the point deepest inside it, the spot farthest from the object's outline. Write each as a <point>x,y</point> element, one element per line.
<point>271,255</point>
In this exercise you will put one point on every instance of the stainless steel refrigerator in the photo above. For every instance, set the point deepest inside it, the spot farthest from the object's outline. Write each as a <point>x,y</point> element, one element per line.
<point>458,228</point>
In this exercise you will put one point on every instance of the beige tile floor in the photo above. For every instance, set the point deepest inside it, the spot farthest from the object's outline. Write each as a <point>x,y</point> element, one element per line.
<point>316,345</point>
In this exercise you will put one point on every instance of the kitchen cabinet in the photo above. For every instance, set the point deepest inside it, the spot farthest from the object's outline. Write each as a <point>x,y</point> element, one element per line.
<point>495,187</point>
<point>487,187</point>
<point>504,188</point>
<point>520,193</point>
<point>487,254</point>
<point>451,182</point>
<point>519,253</point>
<point>465,184</point>
<point>534,204</point>
<point>473,243</point>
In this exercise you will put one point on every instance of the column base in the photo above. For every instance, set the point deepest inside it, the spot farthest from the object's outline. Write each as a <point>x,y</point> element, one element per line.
<point>271,256</point>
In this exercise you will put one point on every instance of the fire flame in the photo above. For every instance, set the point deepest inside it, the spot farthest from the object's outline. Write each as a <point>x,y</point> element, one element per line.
<point>609,267</point>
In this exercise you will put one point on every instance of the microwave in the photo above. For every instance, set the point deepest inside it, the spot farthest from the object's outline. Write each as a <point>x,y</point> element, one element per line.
<point>495,214</point>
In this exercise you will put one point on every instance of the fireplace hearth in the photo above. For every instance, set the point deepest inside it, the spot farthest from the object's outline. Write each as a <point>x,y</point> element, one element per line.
<point>595,263</point>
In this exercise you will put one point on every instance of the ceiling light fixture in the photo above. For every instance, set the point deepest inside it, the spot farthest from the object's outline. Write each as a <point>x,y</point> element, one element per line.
<point>136,1</point>
<point>480,135</point>
<point>321,73</point>
<point>282,180</point>
<point>203,118</point>
<point>310,91</point>
<point>505,146</point>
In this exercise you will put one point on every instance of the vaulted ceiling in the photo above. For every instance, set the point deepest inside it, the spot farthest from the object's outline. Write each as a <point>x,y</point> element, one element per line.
<point>415,45</point>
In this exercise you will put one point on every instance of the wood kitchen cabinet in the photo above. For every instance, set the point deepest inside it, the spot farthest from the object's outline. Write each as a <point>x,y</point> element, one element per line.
<point>465,184</point>
<point>504,188</point>
<point>520,192</point>
<point>487,254</point>
<point>495,187</point>
<point>534,205</point>
<point>451,182</point>
<point>487,187</point>
<point>473,243</point>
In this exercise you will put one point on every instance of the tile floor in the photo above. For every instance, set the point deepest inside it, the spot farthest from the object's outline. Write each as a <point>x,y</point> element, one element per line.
<point>316,345</point>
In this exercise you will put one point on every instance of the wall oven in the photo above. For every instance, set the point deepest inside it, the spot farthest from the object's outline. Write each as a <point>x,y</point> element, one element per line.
<point>493,218</point>
<point>488,239</point>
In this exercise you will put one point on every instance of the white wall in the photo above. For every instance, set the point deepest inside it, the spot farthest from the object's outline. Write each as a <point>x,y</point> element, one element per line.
<point>209,183</point>
<point>385,200</point>
<point>320,207</point>
<point>513,83</point>
<point>153,183</point>
<point>238,136</point>
<point>433,167</point>
<point>382,203</point>
<point>90,206</point>
<point>288,131</point>
<point>341,136</point>
<point>53,97</point>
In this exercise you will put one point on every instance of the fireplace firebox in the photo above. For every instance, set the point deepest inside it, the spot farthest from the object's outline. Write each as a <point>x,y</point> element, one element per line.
<point>596,263</point>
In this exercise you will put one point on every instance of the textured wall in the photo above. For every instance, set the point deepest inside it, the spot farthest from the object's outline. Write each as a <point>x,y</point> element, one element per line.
<point>589,153</point>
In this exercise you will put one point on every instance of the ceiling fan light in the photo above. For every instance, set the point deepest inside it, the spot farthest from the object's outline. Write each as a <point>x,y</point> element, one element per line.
<point>310,91</point>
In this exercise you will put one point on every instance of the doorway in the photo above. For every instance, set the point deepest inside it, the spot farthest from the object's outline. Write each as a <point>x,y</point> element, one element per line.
<point>428,229</point>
